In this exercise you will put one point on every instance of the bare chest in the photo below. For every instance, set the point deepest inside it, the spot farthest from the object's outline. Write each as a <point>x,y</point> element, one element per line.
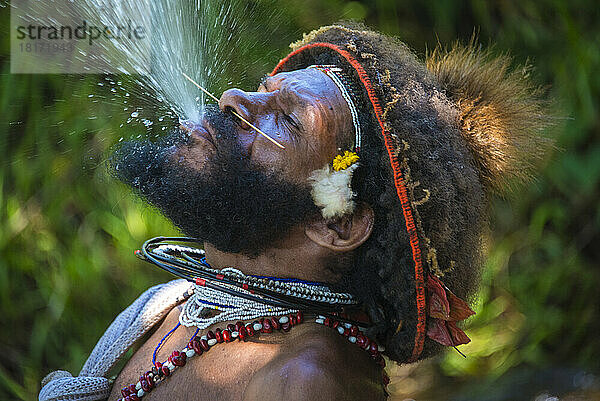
<point>222,373</point>
<point>228,369</point>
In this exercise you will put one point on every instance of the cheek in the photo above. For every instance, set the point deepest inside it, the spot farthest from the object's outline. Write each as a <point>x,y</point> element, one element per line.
<point>291,164</point>
<point>297,164</point>
<point>273,159</point>
<point>315,148</point>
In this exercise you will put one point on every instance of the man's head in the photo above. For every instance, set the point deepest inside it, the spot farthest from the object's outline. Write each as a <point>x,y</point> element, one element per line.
<point>222,182</point>
<point>435,139</point>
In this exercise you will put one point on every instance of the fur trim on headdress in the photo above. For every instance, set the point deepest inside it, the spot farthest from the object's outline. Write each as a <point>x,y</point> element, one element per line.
<point>332,192</point>
<point>501,113</point>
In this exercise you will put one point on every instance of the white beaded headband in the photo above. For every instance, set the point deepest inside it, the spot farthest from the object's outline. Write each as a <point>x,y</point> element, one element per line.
<point>331,185</point>
<point>343,83</point>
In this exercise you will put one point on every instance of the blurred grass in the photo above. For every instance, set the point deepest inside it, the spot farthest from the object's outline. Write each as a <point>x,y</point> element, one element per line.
<point>67,232</point>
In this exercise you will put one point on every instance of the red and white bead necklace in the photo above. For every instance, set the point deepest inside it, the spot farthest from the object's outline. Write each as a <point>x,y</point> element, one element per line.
<point>225,295</point>
<point>240,331</point>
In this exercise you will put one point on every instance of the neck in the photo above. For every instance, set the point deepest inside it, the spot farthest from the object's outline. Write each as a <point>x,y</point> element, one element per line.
<point>294,258</point>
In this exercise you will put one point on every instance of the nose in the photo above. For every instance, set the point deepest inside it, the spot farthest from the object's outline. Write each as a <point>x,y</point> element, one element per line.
<point>243,103</point>
<point>247,106</point>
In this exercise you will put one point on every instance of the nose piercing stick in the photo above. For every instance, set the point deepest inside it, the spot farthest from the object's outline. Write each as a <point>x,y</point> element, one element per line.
<point>234,112</point>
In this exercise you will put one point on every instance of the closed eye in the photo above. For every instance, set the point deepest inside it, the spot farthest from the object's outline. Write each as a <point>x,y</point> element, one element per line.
<point>290,120</point>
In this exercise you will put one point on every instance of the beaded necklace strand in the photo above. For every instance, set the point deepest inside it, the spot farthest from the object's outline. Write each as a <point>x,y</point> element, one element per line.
<point>189,263</point>
<point>199,345</point>
<point>233,295</point>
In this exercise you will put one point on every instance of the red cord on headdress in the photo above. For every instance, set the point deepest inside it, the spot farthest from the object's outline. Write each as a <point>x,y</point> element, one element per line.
<point>400,188</point>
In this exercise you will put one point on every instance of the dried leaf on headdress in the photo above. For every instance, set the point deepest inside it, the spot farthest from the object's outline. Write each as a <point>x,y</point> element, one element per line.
<point>439,307</point>
<point>438,331</point>
<point>458,336</point>
<point>445,309</point>
<point>459,309</point>
<point>446,333</point>
<point>443,303</point>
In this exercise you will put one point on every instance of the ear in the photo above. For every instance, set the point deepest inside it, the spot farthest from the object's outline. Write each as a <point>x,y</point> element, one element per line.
<point>345,233</point>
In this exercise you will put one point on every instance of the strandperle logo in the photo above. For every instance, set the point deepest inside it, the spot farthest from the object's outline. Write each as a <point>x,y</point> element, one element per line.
<point>84,31</point>
<point>81,37</point>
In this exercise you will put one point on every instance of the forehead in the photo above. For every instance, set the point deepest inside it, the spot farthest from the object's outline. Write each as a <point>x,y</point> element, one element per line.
<point>308,81</point>
<point>314,97</point>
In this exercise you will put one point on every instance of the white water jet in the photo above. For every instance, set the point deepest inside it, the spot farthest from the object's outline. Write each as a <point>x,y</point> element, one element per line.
<point>192,36</point>
<point>183,36</point>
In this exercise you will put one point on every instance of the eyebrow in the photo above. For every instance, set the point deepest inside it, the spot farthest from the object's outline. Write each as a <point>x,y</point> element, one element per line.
<point>287,92</point>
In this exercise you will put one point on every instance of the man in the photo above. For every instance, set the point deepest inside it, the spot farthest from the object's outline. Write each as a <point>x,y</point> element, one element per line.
<point>379,191</point>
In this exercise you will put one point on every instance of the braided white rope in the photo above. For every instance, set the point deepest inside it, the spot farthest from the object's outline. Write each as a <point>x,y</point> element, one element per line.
<point>126,329</point>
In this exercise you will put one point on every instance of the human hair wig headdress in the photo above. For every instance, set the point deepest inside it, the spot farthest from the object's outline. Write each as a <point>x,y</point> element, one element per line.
<point>436,138</point>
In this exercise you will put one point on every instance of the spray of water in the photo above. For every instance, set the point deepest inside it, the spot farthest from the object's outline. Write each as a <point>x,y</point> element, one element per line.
<point>135,88</point>
<point>182,36</point>
<point>197,37</point>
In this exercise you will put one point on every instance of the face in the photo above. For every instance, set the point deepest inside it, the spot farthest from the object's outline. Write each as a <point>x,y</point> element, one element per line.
<point>303,110</point>
<point>223,182</point>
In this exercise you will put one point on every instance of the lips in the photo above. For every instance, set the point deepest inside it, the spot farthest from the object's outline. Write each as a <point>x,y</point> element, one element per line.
<point>199,131</point>
<point>204,134</point>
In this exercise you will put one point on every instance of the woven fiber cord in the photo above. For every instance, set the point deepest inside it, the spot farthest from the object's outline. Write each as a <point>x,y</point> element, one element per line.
<point>126,329</point>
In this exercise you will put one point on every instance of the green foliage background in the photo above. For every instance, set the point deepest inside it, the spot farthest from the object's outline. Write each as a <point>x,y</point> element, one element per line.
<point>67,232</point>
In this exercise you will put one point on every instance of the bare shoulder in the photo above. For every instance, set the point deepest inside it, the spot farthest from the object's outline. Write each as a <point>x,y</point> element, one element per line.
<point>141,359</point>
<point>320,367</point>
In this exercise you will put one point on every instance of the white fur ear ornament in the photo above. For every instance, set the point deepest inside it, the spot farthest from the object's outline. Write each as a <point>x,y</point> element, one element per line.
<point>331,186</point>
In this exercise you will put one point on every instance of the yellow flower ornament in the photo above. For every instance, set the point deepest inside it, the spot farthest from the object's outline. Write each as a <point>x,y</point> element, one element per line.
<point>342,162</point>
<point>331,186</point>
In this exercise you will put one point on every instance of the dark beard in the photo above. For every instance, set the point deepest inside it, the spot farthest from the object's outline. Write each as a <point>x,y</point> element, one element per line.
<point>231,203</point>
